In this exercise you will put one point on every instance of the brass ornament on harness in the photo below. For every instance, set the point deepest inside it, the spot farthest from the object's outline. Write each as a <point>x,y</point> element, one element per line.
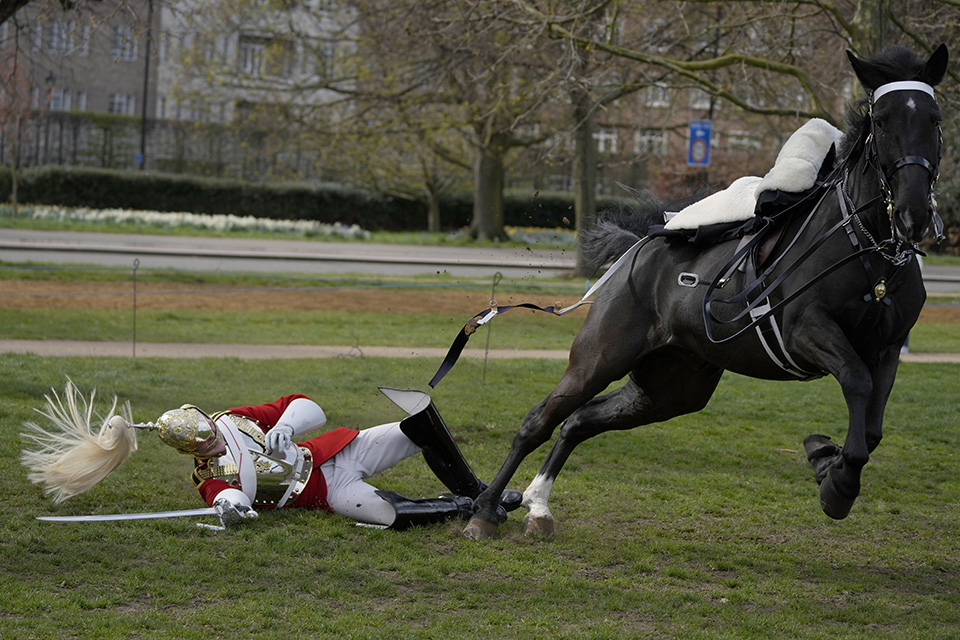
<point>880,290</point>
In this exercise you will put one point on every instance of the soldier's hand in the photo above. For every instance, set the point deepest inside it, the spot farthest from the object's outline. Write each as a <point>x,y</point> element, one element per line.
<point>230,514</point>
<point>279,438</point>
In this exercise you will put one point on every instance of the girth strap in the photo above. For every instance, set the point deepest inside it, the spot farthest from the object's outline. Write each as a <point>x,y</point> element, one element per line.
<point>768,331</point>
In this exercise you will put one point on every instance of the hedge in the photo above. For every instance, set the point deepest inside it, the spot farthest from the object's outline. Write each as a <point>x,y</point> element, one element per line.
<point>329,203</point>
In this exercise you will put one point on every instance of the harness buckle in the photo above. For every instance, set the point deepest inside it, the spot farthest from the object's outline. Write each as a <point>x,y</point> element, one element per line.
<point>686,279</point>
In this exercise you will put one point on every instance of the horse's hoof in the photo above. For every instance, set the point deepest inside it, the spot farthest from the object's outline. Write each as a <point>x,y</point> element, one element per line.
<point>820,446</point>
<point>479,529</point>
<point>833,504</point>
<point>538,526</point>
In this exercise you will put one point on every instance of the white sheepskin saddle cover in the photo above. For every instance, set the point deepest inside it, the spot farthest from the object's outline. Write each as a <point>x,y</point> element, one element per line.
<point>795,170</point>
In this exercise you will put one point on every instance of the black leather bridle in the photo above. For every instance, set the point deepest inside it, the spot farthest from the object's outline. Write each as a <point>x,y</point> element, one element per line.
<point>933,169</point>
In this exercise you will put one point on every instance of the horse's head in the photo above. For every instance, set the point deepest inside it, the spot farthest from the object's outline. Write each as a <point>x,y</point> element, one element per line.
<point>905,140</point>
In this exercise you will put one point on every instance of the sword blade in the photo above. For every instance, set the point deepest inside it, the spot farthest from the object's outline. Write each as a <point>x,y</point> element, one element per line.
<point>208,511</point>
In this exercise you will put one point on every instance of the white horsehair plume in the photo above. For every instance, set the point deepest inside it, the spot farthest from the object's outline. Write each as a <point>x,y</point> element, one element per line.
<point>70,458</point>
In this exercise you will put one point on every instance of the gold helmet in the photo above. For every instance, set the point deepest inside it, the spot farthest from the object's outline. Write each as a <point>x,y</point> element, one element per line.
<point>189,430</point>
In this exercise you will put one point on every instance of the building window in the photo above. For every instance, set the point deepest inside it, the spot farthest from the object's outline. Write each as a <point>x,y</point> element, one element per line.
<point>744,141</point>
<point>122,104</point>
<point>252,55</point>
<point>37,36</point>
<point>83,46</point>
<point>81,101</point>
<point>657,96</point>
<point>59,40</point>
<point>262,57</point>
<point>59,100</point>
<point>606,140</point>
<point>326,57</point>
<point>124,44</point>
<point>650,142</point>
<point>699,99</point>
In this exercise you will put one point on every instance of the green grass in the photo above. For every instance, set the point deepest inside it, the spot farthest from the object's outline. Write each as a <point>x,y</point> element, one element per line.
<point>518,330</point>
<point>704,527</point>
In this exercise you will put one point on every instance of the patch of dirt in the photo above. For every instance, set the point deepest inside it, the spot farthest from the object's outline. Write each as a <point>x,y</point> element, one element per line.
<point>25,294</point>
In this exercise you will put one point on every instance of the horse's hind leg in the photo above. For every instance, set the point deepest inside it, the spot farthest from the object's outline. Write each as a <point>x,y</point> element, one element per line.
<point>665,387</point>
<point>592,367</point>
<point>537,427</point>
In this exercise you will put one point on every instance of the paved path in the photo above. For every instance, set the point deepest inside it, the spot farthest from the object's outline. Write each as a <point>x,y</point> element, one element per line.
<point>65,348</point>
<point>263,256</point>
<point>311,256</point>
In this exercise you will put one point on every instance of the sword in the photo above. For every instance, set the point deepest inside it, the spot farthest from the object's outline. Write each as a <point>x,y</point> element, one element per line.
<point>208,511</point>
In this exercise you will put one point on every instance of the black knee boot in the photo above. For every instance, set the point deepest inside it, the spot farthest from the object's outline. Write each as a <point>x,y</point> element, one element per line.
<point>413,512</point>
<point>426,429</point>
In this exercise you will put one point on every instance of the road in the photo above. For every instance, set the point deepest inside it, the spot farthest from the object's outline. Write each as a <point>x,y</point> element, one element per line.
<point>309,257</point>
<point>268,256</point>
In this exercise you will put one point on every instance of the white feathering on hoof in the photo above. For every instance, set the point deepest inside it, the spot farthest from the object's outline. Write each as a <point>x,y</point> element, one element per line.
<point>70,458</point>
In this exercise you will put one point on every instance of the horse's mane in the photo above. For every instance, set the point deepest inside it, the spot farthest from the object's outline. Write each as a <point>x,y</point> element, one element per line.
<point>895,63</point>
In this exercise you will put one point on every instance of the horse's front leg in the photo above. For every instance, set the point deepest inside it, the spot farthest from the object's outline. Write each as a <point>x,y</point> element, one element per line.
<point>840,482</point>
<point>883,377</point>
<point>838,469</point>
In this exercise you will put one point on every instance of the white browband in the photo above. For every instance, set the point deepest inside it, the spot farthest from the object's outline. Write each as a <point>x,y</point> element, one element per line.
<point>905,85</point>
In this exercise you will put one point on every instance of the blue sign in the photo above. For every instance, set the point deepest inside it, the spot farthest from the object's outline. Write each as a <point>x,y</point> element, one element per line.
<point>698,153</point>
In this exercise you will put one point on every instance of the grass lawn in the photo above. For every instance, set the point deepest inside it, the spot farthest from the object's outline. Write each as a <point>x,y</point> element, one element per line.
<point>704,527</point>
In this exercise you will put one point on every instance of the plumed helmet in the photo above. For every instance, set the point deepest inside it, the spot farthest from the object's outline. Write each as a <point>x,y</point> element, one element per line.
<point>188,430</point>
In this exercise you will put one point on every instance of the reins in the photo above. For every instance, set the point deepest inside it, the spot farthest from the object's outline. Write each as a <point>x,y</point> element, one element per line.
<point>764,296</point>
<point>836,182</point>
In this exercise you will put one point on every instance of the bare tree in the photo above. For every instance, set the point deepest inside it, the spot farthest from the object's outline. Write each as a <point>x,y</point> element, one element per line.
<point>773,62</point>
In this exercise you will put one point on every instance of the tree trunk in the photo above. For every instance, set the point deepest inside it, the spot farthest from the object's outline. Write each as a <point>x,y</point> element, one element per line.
<point>584,172</point>
<point>433,211</point>
<point>870,26</point>
<point>488,170</point>
<point>15,167</point>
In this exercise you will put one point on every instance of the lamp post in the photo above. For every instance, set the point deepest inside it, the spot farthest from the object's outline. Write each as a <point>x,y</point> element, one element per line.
<point>146,86</point>
<point>51,83</point>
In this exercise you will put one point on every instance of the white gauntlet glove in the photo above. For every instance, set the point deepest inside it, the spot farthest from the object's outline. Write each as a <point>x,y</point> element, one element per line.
<point>231,514</point>
<point>278,439</point>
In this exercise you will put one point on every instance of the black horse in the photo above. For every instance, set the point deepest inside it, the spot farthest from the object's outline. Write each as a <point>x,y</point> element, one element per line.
<point>837,294</point>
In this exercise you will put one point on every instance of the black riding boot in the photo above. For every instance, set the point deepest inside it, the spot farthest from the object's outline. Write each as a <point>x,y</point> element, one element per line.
<point>413,512</point>
<point>427,430</point>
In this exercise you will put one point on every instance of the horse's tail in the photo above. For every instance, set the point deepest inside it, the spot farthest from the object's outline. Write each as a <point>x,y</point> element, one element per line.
<point>619,228</point>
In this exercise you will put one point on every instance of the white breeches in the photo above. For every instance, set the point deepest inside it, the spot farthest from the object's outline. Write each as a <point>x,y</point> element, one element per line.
<point>374,450</point>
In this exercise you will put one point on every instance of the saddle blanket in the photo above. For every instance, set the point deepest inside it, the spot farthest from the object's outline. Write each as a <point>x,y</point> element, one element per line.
<point>796,169</point>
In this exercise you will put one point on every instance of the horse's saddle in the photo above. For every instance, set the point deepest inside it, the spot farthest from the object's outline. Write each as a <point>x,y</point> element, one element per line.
<point>750,203</point>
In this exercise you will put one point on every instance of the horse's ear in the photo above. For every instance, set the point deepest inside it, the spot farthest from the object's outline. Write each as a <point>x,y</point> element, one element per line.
<point>869,77</point>
<point>936,67</point>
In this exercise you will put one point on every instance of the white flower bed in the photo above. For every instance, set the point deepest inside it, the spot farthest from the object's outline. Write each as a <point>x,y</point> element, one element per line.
<point>183,219</point>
